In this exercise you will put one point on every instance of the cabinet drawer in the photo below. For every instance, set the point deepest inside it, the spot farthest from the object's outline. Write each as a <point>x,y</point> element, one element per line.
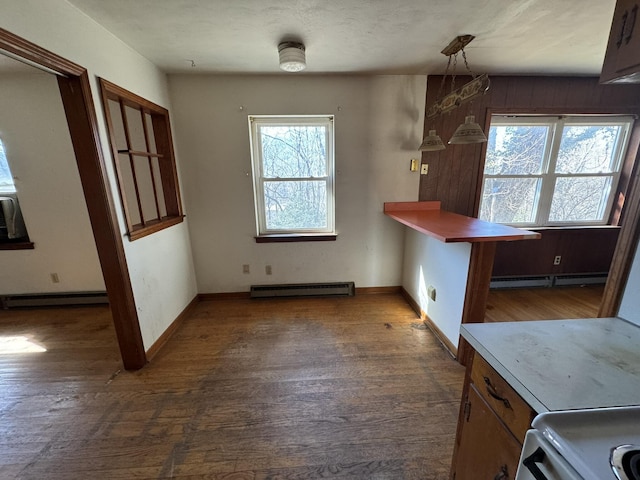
<point>508,405</point>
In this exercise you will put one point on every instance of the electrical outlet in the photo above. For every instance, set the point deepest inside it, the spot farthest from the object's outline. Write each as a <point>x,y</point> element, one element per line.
<point>424,169</point>
<point>431,292</point>
<point>557,260</point>
<point>246,269</point>
<point>267,269</point>
<point>55,278</point>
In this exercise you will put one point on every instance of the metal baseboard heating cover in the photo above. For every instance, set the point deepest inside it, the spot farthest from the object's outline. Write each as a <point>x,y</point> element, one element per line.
<point>344,289</point>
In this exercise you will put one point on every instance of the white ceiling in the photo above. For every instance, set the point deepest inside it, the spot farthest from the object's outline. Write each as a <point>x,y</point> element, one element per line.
<point>362,36</point>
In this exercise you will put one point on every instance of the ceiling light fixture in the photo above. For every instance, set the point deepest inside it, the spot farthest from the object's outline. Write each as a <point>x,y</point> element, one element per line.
<point>292,56</point>
<point>469,131</point>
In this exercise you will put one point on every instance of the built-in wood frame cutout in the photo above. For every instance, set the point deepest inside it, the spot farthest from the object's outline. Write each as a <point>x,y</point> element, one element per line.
<point>75,90</point>
<point>144,160</point>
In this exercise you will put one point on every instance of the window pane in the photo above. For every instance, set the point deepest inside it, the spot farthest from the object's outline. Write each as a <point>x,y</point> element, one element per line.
<point>295,205</point>
<point>510,200</point>
<point>516,149</point>
<point>293,151</point>
<point>581,199</point>
<point>588,149</point>
<point>6,179</point>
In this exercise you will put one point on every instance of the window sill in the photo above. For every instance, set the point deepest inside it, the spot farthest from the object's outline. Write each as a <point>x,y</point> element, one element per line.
<point>153,227</point>
<point>17,246</point>
<point>297,237</point>
<point>573,227</point>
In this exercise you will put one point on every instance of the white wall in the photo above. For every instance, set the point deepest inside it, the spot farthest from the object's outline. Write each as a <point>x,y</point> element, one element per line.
<point>162,273</point>
<point>445,266</point>
<point>378,122</point>
<point>34,131</point>
<point>630,304</point>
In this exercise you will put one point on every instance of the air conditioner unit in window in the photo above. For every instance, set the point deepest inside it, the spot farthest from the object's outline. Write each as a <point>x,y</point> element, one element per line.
<point>11,221</point>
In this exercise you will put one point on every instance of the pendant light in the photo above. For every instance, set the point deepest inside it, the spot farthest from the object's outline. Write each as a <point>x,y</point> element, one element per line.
<point>470,131</point>
<point>431,143</point>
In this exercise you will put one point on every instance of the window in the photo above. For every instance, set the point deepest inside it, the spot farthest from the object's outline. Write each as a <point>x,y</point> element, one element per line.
<point>13,233</point>
<point>542,171</point>
<point>293,175</point>
<point>144,162</point>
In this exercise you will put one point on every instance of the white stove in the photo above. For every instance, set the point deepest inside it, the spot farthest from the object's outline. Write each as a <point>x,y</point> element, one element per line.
<point>593,444</point>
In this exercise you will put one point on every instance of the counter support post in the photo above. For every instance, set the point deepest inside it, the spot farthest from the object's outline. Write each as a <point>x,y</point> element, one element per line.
<point>477,292</point>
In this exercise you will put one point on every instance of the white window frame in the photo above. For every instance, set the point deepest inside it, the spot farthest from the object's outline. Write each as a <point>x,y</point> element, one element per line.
<point>255,122</point>
<point>544,194</point>
<point>3,158</point>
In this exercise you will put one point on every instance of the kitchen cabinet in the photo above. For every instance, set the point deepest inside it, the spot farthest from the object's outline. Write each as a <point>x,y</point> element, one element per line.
<point>491,427</point>
<point>622,57</point>
<point>537,367</point>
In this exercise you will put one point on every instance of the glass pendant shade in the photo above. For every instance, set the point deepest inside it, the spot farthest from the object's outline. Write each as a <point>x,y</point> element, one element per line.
<point>431,143</point>
<point>468,132</point>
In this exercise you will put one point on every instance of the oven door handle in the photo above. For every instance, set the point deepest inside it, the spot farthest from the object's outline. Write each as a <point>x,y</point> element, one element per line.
<point>530,462</point>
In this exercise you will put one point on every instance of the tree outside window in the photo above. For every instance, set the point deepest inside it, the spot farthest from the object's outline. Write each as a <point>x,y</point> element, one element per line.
<point>293,174</point>
<point>552,171</point>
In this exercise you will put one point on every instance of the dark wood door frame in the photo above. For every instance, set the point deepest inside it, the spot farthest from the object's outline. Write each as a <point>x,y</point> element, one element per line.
<point>75,90</point>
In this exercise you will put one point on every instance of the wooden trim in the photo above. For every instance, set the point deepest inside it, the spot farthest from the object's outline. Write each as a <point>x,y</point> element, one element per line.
<point>377,290</point>
<point>209,297</point>
<point>17,246</point>
<point>625,249</point>
<point>83,126</point>
<point>33,53</point>
<point>446,343</point>
<point>175,325</point>
<point>296,238</point>
<point>439,335</point>
<point>115,92</point>
<point>75,90</point>
<point>412,303</point>
<point>153,226</point>
<point>165,154</point>
<point>477,292</point>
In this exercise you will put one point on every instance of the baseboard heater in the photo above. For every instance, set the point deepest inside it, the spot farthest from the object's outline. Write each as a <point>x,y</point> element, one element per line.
<point>345,289</point>
<point>53,299</point>
<point>594,279</point>
<point>548,280</point>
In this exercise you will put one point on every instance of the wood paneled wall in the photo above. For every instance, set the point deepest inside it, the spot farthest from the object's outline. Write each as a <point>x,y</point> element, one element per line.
<point>455,173</point>
<point>583,250</point>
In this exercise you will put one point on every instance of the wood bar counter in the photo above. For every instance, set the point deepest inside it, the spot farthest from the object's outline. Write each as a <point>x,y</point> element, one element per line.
<point>428,219</point>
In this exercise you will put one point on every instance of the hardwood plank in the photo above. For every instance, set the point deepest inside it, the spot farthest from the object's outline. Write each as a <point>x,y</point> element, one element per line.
<point>513,304</point>
<point>279,388</point>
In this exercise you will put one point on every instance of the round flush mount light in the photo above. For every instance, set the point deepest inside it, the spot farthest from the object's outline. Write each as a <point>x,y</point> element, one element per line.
<point>292,57</point>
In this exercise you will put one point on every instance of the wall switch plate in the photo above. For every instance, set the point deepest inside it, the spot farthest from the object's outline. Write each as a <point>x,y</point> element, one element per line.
<point>267,269</point>
<point>246,269</point>
<point>424,169</point>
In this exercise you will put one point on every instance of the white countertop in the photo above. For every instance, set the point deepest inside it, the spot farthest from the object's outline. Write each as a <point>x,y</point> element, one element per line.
<point>564,364</point>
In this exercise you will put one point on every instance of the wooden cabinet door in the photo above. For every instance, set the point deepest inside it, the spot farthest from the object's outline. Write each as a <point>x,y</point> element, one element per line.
<point>622,58</point>
<point>487,450</point>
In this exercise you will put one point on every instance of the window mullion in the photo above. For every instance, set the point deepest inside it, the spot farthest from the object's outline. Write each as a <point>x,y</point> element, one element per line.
<point>549,174</point>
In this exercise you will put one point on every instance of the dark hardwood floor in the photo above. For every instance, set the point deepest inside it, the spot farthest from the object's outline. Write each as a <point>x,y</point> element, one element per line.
<point>266,389</point>
<point>511,304</point>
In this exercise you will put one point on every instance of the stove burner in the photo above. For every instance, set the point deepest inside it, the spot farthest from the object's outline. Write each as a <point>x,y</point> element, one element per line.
<point>625,462</point>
